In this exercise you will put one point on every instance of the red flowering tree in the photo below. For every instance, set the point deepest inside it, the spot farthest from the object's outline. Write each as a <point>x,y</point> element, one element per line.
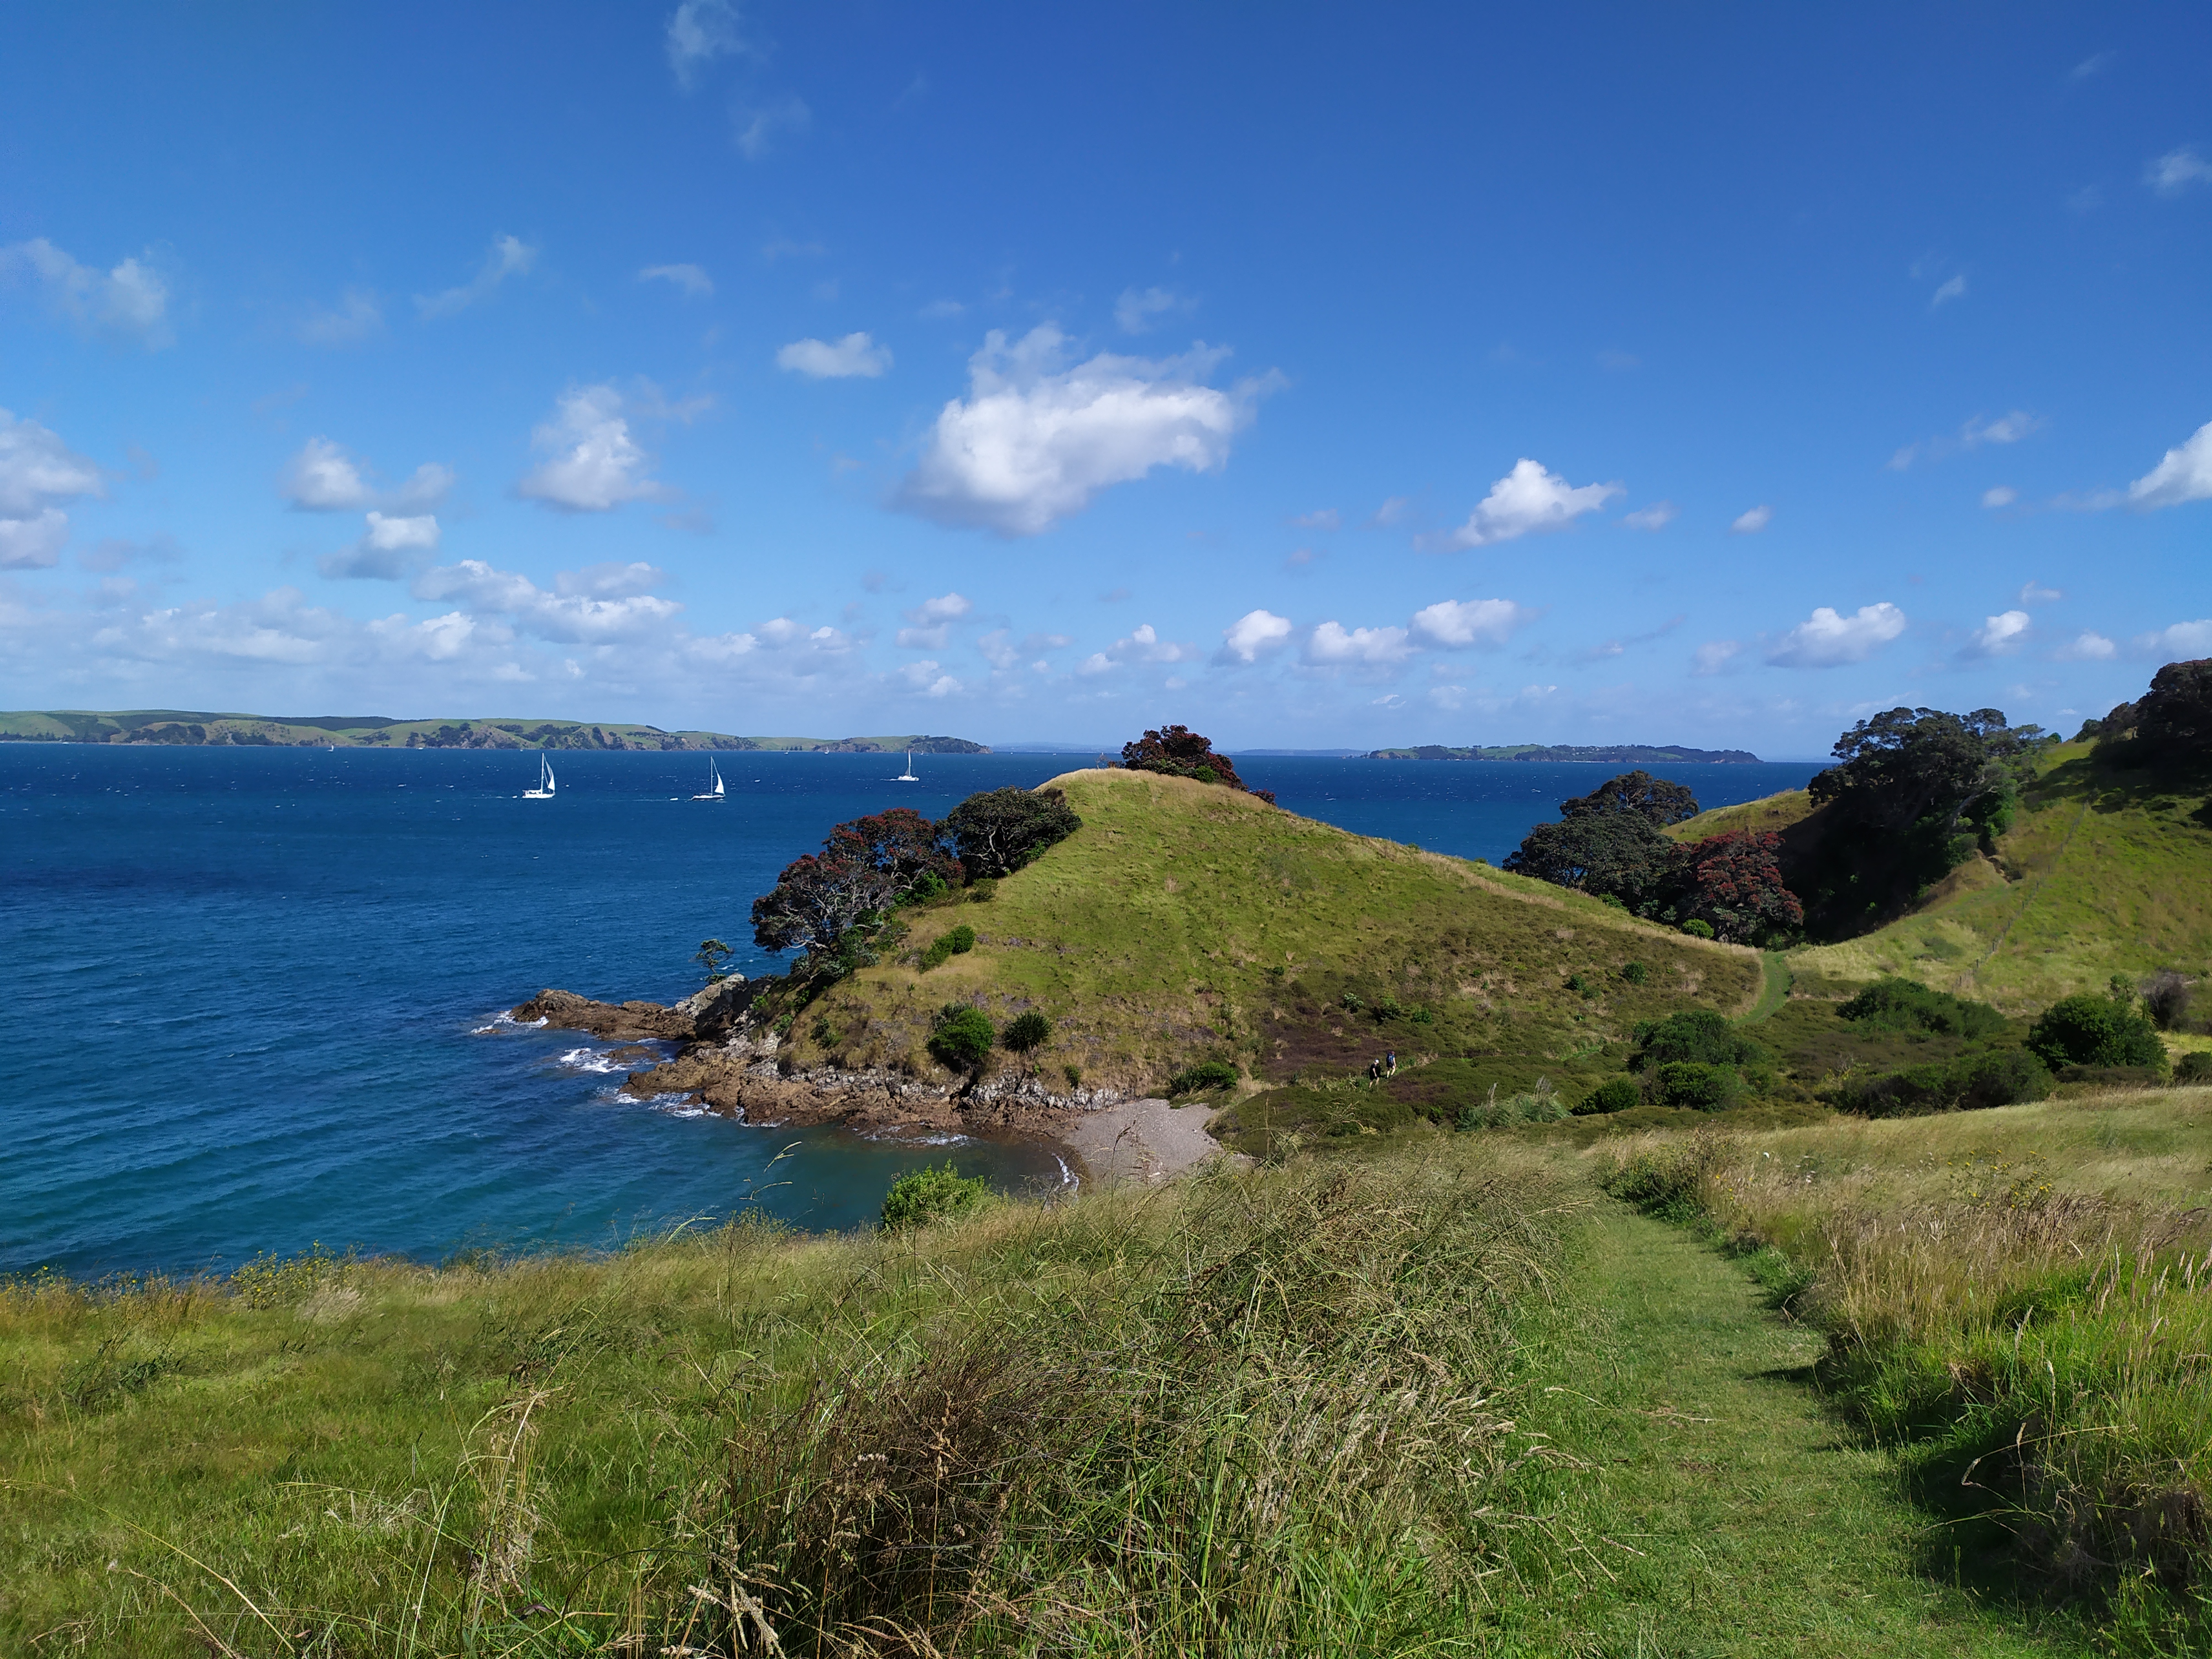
<point>1734,882</point>
<point>826,903</point>
<point>1181,752</point>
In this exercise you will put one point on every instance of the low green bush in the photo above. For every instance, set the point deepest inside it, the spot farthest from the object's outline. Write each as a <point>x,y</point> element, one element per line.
<point>1904,1005</point>
<point>2113,1076</point>
<point>2194,1068</point>
<point>1635,972</point>
<point>1615,1094</point>
<point>922,1196</point>
<point>953,942</point>
<point>2094,1030</point>
<point>1697,1034</point>
<point>1026,1031</point>
<point>1694,1084</point>
<point>1698,928</point>
<point>982,892</point>
<point>1541,1104</point>
<point>961,1036</point>
<point>1998,1077</point>
<point>1206,1075</point>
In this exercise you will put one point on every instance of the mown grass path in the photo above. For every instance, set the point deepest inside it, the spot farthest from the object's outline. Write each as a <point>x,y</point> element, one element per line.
<point>1718,1509</point>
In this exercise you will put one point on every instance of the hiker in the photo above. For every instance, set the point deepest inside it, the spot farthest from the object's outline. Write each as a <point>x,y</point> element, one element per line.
<point>1390,1067</point>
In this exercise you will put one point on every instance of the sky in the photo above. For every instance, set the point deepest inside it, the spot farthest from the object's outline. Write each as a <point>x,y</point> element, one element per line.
<point>1312,376</point>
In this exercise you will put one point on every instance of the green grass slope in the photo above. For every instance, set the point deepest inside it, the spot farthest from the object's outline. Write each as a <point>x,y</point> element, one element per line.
<point>1768,814</point>
<point>1185,922</point>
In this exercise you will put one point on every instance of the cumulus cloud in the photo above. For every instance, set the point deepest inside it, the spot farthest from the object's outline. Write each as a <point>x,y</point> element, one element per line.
<point>1251,636</point>
<point>510,255</point>
<point>2000,634</point>
<point>613,580</point>
<point>691,280</point>
<point>826,359</point>
<point>1134,311</point>
<point>1033,441</point>
<point>1999,495</point>
<point>1657,516</point>
<point>755,130</point>
<point>1828,638</point>
<point>2181,640</point>
<point>1331,644</point>
<point>1142,645</point>
<point>930,621</point>
<point>1752,522</point>
<point>1713,656</point>
<point>2008,429</point>
<point>594,465</point>
<point>2177,170</point>
<point>928,677</point>
<point>1955,288</point>
<point>389,547</point>
<point>2184,475</point>
<point>1326,518</point>
<point>571,617</point>
<point>2033,592</point>
<point>699,32</point>
<point>131,300</point>
<point>1457,624</point>
<point>2087,647</point>
<point>357,315</point>
<point>1528,500</point>
<point>324,478</point>
<point>39,476</point>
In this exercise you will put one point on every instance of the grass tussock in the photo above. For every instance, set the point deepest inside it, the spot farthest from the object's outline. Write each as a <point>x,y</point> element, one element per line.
<point>1243,1415</point>
<point>2020,1298</point>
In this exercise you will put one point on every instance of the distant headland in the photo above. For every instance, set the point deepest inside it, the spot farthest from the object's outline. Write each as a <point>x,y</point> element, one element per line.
<point>192,729</point>
<point>1617,754</point>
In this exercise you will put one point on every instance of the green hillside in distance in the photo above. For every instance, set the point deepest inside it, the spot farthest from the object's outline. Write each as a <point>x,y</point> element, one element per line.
<point>1184,923</point>
<point>191,728</point>
<point>1616,754</point>
<point>2107,869</point>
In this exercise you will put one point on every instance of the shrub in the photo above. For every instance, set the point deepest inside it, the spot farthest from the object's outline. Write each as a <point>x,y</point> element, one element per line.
<point>1538,1105</point>
<point>954,942</point>
<point>2000,1077</point>
<point>960,1035</point>
<point>1074,1075</point>
<point>2195,1069</point>
<point>1698,928</point>
<point>1581,985</point>
<point>1001,830</point>
<point>2166,999</point>
<point>2114,1077</point>
<point>1027,1031</point>
<point>1697,1034</point>
<point>1615,1094</point>
<point>1904,1005</point>
<point>1181,752</point>
<point>922,1196</point>
<point>1701,1087</point>
<point>2093,1031</point>
<point>1635,972</point>
<point>1206,1075</point>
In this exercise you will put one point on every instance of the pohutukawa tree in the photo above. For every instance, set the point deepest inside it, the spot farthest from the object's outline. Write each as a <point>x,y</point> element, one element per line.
<point>996,833</point>
<point>1181,752</point>
<point>1608,843</point>
<point>865,868</point>
<point>1734,882</point>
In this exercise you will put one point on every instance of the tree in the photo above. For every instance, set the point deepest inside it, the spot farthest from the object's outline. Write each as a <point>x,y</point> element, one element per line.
<point>1181,752</point>
<point>961,1036</point>
<point>711,955</point>
<point>2094,1030</point>
<point>2173,720</point>
<point>1656,800</point>
<point>998,831</point>
<point>1734,882</point>
<point>1026,1031</point>
<point>823,901</point>
<point>1604,853</point>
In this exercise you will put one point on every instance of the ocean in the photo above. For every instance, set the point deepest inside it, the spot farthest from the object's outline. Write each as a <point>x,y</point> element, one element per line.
<point>257,993</point>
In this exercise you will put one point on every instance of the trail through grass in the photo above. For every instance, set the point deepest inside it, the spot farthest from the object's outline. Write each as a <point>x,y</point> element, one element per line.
<point>1703,1501</point>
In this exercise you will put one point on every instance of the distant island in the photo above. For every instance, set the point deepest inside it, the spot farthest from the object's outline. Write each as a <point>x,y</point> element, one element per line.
<point>1618,754</point>
<point>193,729</point>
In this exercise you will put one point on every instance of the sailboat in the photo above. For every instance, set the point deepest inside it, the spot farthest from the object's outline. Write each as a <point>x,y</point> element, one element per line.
<point>907,775</point>
<point>714,792</point>
<point>544,789</point>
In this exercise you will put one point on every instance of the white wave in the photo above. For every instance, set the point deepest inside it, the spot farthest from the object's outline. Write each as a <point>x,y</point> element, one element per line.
<point>590,1060</point>
<point>503,1022</point>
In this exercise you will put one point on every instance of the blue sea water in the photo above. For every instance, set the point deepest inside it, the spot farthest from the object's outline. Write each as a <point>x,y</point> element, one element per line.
<point>254,995</point>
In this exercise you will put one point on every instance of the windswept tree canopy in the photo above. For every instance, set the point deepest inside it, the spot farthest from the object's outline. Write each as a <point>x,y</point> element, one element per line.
<point>1656,800</point>
<point>1181,752</point>
<point>2171,721</point>
<point>1599,853</point>
<point>997,832</point>
<point>864,868</point>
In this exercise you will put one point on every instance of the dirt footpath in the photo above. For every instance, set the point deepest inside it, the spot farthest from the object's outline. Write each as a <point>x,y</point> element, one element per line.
<point>1146,1140</point>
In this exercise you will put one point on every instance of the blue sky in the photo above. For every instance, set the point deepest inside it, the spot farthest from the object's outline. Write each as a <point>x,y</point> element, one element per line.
<point>1311,376</point>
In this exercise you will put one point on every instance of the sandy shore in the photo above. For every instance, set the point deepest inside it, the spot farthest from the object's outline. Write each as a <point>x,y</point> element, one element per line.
<point>1146,1140</point>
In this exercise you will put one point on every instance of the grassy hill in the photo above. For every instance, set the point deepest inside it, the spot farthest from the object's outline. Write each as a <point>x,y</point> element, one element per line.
<point>193,728</point>
<point>1185,922</point>
<point>2107,870</point>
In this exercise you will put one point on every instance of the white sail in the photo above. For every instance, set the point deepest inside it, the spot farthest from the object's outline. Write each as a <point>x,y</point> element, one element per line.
<point>714,789</point>
<point>545,786</point>
<point>907,775</point>
<point>718,780</point>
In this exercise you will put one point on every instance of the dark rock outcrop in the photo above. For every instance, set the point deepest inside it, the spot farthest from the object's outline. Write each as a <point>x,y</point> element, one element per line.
<point>621,1022</point>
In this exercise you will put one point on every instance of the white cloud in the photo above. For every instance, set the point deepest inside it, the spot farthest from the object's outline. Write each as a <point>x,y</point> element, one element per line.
<point>2184,475</point>
<point>823,360</point>
<point>1393,510</point>
<point>1134,311</point>
<point>1326,518</point>
<point>131,300</point>
<point>611,580</point>
<point>389,547</point>
<point>1332,643</point>
<point>595,465</point>
<point>2087,647</point>
<point>694,282</point>
<point>756,129</point>
<point>2033,592</point>
<point>1451,697</point>
<point>1456,624</point>
<point>2008,429</point>
<point>1528,500</point>
<point>1657,516</point>
<point>1251,636</point>
<point>1999,634</point>
<point>928,677</point>
<point>1829,639</point>
<point>2178,169</point>
<point>510,255</point>
<point>699,32</point>
<point>571,617</point>
<point>2183,640</point>
<point>1752,522</point>
<point>1999,495</point>
<point>323,478</point>
<point>1033,442</point>
<point>1142,645</point>
<point>1953,290</point>
<point>1713,656</point>
<point>932,620</point>
<point>2097,64</point>
<point>38,476</point>
<point>997,648</point>
<point>357,315</point>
